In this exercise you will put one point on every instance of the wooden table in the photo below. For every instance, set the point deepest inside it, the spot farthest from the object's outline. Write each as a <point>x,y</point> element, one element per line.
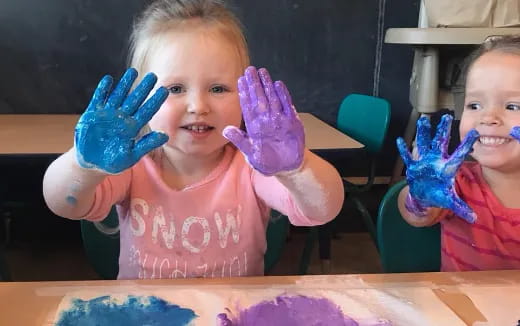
<point>53,134</point>
<point>32,303</point>
<point>321,136</point>
<point>36,133</point>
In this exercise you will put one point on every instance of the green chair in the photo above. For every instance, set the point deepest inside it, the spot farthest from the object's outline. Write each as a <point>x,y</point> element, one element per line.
<point>276,236</point>
<point>402,247</point>
<point>364,118</point>
<point>277,231</point>
<point>101,243</point>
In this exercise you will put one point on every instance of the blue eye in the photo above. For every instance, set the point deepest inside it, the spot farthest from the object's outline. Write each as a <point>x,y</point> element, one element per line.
<point>513,107</point>
<point>218,89</point>
<point>175,89</point>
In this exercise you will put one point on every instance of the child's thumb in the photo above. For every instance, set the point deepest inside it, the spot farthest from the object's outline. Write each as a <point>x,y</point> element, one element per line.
<point>149,142</point>
<point>238,138</point>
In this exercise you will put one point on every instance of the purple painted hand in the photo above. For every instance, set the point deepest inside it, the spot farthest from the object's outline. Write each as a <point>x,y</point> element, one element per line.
<point>432,176</point>
<point>275,140</point>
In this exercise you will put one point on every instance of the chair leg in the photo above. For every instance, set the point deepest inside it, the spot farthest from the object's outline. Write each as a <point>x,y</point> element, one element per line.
<point>367,219</point>
<point>307,251</point>
<point>324,240</point>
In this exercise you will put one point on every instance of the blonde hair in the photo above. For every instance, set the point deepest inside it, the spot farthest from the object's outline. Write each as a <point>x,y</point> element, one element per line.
<point>164,16</point>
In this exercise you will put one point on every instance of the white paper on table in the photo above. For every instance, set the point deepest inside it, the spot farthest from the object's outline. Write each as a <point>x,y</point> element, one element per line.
<point>402,306</point>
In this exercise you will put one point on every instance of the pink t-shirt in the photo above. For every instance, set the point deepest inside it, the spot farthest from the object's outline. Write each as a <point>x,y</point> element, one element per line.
<point>214,228</point>
<point>493,241</point>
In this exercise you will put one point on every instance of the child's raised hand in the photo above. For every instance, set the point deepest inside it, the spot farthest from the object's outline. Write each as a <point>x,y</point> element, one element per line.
<point>275,139</point>
<point>105,136</point>
<point>431,177</point>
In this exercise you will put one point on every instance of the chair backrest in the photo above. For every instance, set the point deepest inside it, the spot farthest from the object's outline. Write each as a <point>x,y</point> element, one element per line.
<point>402,247</point>
<point>102,247</point>
<point>276,237</point>
<point>101,244</point>
<point>365,118</point>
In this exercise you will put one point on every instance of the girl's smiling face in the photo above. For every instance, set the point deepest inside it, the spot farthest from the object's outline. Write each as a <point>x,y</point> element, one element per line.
<point>492,107</point>
<point>200,67</point>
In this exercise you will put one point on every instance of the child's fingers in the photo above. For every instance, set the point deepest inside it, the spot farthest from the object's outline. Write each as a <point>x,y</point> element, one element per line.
<point>150,107</point>
<point>403,151</point>
<point>100,94</point>
<point>515,133</point>
<point>245,101</point>
<point>125,83</point>
<point>442,136</point>
<point>139,94</point>
<point>423,137</point>
<point>272,97</point>
<point>460,153</point>
<point>149,142</point>
<point>461,209</point>
<point>238,138</point>
<point>256,91</point>
<point>285,98</point>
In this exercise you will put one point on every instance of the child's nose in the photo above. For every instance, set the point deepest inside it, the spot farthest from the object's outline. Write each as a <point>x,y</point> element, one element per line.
<point>197,104</point>
<point>490,117</point>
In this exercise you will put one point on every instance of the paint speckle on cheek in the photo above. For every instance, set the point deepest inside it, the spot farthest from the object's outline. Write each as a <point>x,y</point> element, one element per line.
<point>131,310</point>
<point>292,311</point>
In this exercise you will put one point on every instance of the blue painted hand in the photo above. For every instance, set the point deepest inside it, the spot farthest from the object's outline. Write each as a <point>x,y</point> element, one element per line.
<point>432,176</point>
<point>106,133</point>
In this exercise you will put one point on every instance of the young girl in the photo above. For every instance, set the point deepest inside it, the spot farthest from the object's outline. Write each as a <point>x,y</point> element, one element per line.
<point>476,204</point>
<point>195,206</point>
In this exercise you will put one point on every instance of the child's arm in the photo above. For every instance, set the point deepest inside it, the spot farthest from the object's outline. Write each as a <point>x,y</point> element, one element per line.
<point>289,176</point>
<point>311,195</point>
<point>69,189</point>
<point>104,143</point>
<point>316,188</point>
<point>431,177</point>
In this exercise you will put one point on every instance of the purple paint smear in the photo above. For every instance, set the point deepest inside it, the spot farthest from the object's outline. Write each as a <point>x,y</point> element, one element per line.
<point>293,310</point>
<point>275,139</point>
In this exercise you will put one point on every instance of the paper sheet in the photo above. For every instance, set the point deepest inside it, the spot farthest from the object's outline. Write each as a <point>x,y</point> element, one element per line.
<point>401,306</point>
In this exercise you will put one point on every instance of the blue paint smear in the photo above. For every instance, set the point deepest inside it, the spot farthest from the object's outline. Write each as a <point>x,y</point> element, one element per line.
<point>431,176</point>
<point>133,311</point>
<point>72,200</point>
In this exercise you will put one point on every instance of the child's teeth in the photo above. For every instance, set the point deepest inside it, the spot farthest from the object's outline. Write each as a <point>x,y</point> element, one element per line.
<point>198,128</point>
<point>492,140</point>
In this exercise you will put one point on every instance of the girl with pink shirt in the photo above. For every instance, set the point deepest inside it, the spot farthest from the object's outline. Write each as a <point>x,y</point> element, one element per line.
<point>195,168</point>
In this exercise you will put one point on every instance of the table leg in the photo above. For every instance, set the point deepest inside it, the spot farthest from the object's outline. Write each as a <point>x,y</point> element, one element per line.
<point>424,93</point>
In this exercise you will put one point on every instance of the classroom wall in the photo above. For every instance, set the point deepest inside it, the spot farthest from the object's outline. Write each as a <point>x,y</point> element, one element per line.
<point>54,52</point>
